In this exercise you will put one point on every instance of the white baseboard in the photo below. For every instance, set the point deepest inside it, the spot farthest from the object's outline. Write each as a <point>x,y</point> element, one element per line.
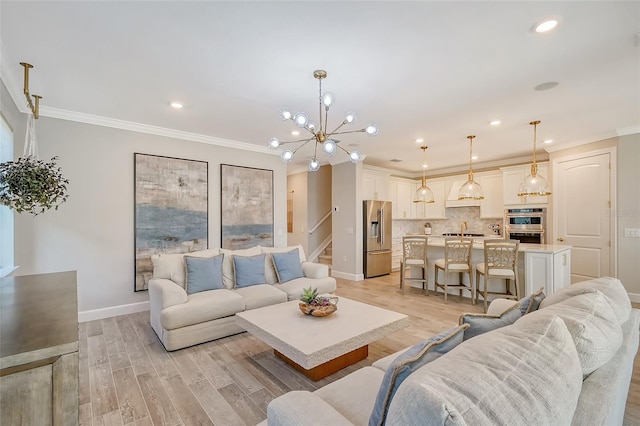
<point>635,297</point>
<point>113,311</point>
<point>347,276</point>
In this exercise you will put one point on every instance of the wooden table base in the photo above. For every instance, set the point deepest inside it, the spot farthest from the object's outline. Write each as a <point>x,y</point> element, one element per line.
<point>329,367</point>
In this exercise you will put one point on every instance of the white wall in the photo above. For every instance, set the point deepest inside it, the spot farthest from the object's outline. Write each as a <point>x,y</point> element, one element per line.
<point>628,211</point>
<point>93,232</point>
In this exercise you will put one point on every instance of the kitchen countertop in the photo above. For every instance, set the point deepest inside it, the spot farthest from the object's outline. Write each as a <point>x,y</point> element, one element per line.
<point>438,241</point>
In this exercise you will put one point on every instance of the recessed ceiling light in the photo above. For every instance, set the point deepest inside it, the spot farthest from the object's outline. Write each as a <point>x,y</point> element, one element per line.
<point>546,86</point>
<point>548,141</point>
<point>176,105</point>
<point>475,157</point>
<point>295,132</point>
<point>545,26</point>
<point>425,166</point>
<point>419,140</point>
<point>495,122</point>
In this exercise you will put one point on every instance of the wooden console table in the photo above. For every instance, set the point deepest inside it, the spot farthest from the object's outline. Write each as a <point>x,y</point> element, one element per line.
<point>39,349</point>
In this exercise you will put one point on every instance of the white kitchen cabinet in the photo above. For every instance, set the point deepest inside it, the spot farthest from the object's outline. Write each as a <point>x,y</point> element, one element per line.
<point>403,204</point>
<point>547,269</point>
<point>375,185</point>
<point>492,207</point>
<point>511,179</point>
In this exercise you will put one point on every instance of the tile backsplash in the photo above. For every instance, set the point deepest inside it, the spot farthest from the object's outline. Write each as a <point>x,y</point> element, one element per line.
<point>455,216</point>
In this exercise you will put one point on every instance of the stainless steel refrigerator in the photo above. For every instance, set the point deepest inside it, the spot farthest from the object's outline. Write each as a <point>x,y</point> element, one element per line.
<point>377,237</point>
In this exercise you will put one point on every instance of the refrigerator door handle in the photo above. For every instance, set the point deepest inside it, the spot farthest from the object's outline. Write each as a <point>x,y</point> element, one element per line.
<point>381,212</point>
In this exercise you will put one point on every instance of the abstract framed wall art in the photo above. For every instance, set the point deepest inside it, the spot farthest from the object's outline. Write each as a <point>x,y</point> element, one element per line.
<point>246,207</point>
<point>171,209</point>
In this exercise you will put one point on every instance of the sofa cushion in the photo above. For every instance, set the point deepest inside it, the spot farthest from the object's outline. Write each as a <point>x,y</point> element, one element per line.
<point>532,303</point>
<point>257,296</point>
<point>201,307</point>
<point>172,267</point>
<point>249,270</point>
<point>270,270</point>
<point>408,362</point>
<point>203,273</point>
<point>228,276</point>
<point>592,324</point>
<point>482,323</point>
<point>287,265</point>
<point>353,396</point>
<point>294,288</point>
<point>529,372</point>
<point>612,289</point>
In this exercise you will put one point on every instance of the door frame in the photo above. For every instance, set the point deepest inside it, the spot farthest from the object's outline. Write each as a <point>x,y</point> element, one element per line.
<point>613,181</point>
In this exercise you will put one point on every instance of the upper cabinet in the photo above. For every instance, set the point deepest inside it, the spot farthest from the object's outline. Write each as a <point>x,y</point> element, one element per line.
<point>375,185</point>
<point>436,209</point>
<point>402,198</point>
<point>492,206</point>
<point>511,178</point>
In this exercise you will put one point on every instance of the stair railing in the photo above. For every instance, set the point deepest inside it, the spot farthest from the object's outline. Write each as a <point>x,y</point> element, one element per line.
<point>317,225</point>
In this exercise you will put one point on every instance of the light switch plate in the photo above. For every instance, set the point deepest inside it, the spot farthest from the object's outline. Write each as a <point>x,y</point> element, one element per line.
<point>632,232</point>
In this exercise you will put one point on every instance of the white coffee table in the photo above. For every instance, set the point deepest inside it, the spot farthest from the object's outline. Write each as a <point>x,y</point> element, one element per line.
<point>320,346</point>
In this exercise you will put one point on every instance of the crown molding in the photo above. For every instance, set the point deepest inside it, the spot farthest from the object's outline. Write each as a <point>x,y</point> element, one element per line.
<point>9,81</point>
<point>631,130</point>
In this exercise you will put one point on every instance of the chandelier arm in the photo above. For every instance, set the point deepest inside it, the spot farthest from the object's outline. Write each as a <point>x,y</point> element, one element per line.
<point>296,150</point>
<point>345,150</point>
<point>299,140</point>
<point>344,133</point>
<point>337,128</point>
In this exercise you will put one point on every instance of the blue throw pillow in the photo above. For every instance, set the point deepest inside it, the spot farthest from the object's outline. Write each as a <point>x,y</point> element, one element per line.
<point>532,303</point>
<point>408,362</point>
<point>482,323</point>
<point>204,273</point>
<point>287,266</point>
<point>249,270</point>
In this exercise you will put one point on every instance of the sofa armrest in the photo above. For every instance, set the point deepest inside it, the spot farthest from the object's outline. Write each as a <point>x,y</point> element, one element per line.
<point>314,270</point>
<point>297,407</point>
<point>164,293</point>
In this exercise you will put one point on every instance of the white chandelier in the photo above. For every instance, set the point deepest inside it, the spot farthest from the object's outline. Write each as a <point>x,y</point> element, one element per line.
<point>319,132</point>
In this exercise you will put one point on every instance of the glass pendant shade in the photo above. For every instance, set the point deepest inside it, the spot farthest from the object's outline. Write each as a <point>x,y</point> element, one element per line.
<point>319,134</point>
<point>424,194</point>
<point>534,185</point>
<point>470,190</point>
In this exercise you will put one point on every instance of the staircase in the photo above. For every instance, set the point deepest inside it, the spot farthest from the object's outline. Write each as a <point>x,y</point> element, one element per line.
<point>326,257</point>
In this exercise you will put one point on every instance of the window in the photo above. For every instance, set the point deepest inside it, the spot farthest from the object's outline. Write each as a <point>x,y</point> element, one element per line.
<point>6,215</point>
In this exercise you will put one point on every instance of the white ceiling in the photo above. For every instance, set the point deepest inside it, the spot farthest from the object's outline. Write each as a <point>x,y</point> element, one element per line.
<point>436,70</point>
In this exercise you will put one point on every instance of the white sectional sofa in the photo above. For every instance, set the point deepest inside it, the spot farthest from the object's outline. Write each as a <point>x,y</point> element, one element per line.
<point>569,362</point>
<point>181,318</point>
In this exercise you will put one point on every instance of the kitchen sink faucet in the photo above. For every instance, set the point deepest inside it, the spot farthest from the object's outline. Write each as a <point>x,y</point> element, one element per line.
<point>463,227</point>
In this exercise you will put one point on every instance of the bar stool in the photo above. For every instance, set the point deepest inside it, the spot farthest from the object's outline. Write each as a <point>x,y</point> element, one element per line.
<point>414,254</point>
<point>500,261</point>
<point>457,258</point>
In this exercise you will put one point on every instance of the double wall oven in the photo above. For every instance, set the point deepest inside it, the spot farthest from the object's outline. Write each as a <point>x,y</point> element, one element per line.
<point>527,225</point>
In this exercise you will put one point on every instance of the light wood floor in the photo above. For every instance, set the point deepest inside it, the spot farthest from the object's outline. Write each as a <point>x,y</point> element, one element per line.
<point>127,378</point>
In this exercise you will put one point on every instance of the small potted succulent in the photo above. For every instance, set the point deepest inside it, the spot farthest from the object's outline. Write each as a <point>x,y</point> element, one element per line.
<point>318,306</point>
<point>32,185</point>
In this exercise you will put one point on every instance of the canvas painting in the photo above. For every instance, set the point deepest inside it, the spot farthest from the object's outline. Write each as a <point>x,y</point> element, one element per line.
<point>246,207</point>
<point>171,210</point>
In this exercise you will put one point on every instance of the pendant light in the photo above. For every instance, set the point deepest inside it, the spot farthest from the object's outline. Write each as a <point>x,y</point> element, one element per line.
<point>424,194</point>
<point>471,190</point>
<point>534,184</point>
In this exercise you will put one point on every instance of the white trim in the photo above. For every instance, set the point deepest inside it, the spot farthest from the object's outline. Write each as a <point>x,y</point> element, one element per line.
<point>613,188</point>
<point>347,276</point>
<point>631,130</point>
<point>113,311</point>
<point>635,297</point>
<point>323,245</point>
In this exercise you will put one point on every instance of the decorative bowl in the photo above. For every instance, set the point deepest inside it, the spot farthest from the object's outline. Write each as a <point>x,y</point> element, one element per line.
<point>326,307</point>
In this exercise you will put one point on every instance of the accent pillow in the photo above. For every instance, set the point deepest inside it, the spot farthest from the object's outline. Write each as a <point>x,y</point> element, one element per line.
<point>532,303</point>
<point>249,270</point>
<point>408,362</point>
<point>593,326</point>
<point>287,265</point>
<point>482,323</point>
<point>517,375</point>
<point>203,273</point>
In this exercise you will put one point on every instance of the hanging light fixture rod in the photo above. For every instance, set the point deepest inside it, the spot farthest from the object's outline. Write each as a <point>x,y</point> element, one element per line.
<point>424,194</point>
<point>34,106</point>
<point>471,190</point>
<point>534,185</point>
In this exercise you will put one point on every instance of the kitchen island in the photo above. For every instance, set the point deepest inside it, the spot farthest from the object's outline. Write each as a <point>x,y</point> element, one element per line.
<point>539,265</point>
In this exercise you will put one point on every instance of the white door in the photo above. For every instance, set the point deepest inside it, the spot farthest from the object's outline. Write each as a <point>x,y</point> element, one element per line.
<point>583,214</point>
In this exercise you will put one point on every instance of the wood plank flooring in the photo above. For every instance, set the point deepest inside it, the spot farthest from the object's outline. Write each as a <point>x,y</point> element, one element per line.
<point>127,378</point>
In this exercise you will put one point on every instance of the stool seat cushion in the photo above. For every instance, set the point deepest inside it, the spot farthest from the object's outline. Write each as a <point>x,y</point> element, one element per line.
<point>414,262</point>
<point>456,267</point>
<point>503,273</point>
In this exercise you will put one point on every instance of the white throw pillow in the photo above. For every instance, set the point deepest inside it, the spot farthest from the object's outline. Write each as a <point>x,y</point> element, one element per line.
<point>593,326</point>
